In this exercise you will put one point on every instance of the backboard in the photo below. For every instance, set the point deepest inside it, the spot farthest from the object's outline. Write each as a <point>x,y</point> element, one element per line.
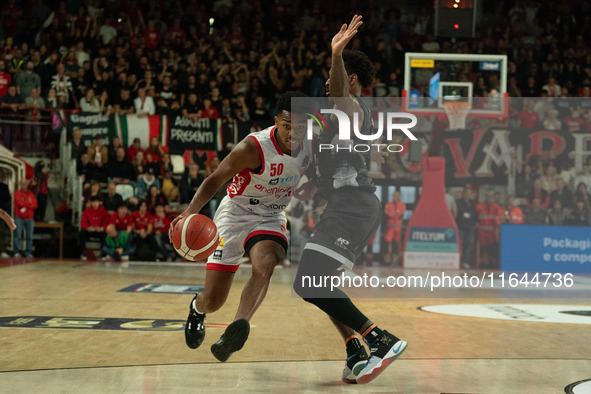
<point>431,79</point>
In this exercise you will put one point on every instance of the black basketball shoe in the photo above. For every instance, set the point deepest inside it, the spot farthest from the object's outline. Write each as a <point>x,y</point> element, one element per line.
<point>195,327</point>
<point>356,361</point>
<point>232,340</point>
<point>383,351</point>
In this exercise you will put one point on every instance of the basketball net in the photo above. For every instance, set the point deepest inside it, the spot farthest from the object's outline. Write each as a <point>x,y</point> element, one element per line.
<point>457,111</point>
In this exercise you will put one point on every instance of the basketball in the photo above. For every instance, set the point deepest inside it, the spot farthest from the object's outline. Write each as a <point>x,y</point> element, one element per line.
<point>195,237</point>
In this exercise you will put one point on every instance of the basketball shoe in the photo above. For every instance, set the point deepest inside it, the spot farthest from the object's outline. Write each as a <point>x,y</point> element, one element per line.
<point>356,360</point>
<point>195,327</point>
<point>231,340</point>
<point>384,349</point>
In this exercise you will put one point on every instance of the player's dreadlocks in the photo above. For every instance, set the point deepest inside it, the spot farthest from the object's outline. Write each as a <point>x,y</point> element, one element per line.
<point>357,62</point>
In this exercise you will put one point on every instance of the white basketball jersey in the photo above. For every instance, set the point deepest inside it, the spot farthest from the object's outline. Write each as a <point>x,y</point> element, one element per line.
<point>269,191</point>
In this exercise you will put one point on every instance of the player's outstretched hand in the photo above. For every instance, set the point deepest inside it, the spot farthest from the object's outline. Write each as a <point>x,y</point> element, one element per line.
<point>306,191</point>
<point>8,219</point>
<point>342,38</point>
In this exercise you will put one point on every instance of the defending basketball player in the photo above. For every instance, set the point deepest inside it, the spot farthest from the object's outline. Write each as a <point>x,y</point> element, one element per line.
<point>352,215</point>
<point>266,167</point>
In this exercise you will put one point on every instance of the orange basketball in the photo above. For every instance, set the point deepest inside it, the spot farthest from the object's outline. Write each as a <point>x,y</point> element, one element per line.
<point>195,237</point>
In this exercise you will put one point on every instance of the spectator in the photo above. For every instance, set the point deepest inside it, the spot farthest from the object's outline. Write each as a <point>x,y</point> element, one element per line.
<point>512,214</point>
<point>190,182</point>
<point>536,214</point>
<point>166,164</point>
<point>121,171</point>
<point>209,111</point>
<point>93,190</point>
<point>145,182</point>
<point>549,178</point>
<point>394,211</point>
<point>34,103</point>
<point>528,118</point>
<point>580,215</point>
<point>139,163</point>
<point>558,215</point>
<point>28,80</point>
<point>25,204</point>
<point>62,84</point>
<point>466,219</point>
<point>93,223</point>
<point>155,197</point>
<point>117,246</point>
<point>77,145</point>
<point>144,104</point>
<point>552,87</point>
<point>133,149</point>
<point>90,103</point>
<point>124,105</point>
<point>98,154</point>
<point>582,194</point>
<point>153,155</point>
<point>39,188</point>
<point>191,108</point>
<point>538,193</point>
<point>5,79</point>
<point>161,226</point>
<point>574,121</point>
<point>551,122</point>
<point>174,206</point>
<point>167,183</point>
<point>122,219</point>
<point>113,147</point>
<point>488,221</point>
<point>111,199</point>
<point>584,177</point>
<point>562,193</point>
<point>143,229</point>
<point>12,106</point>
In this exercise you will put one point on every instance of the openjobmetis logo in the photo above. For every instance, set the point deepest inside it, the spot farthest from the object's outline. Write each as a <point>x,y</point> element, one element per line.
<point>387,121</point>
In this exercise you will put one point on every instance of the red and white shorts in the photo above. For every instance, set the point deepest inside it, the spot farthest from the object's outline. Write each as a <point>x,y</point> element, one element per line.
<point>239,230</point>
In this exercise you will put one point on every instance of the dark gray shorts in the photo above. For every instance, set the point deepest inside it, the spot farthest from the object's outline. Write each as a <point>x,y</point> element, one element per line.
<point>350,220</point>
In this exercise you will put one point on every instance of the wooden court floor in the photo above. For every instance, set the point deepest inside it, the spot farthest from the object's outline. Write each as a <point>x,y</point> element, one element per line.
<point>65,326</point>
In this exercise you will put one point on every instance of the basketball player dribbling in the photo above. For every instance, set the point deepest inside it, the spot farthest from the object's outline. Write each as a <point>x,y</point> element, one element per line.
<point>352,216</point>
<point>266,167</point>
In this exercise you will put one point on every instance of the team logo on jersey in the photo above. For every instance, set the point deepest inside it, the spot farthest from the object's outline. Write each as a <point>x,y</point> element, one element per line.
<point>284,227</point>
<point>254,201</point>
<point>217,255</point>
<point>221,243</point>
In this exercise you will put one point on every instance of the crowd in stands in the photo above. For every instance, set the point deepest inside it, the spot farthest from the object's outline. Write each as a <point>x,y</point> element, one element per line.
<point>231,59</point>
<point>548,192</point>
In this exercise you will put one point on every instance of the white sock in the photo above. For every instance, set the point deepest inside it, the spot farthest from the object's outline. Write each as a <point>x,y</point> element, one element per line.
<point>195,307</point>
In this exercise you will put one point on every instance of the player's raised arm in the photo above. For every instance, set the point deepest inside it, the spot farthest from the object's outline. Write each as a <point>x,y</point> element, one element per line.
<point>341,83</point>
<point>244,155</point>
